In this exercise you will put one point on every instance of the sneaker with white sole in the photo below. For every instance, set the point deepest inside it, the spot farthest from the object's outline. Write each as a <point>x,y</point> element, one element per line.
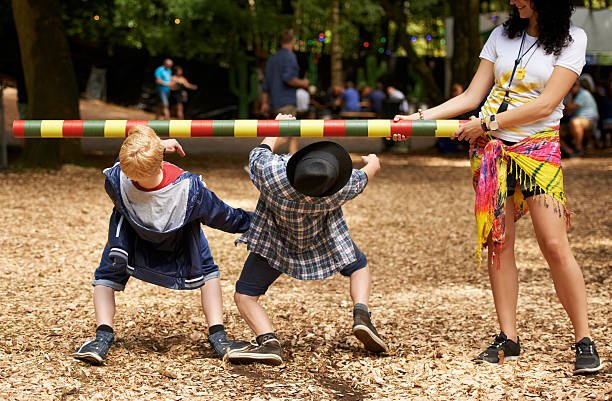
<point>502,349</point>
<point>266,350</point>
<point>365,332</point>
<point>221,344</point>
<point>95,351</point>
<point>587,358</point>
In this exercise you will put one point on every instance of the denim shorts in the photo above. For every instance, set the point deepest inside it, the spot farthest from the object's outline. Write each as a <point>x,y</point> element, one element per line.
<point>163,97</point>
<point>257,274</point>
<point>116,276</point>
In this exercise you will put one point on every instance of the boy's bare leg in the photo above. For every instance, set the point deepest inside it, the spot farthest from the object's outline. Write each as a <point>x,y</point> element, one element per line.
<point>253,313</point>
<point>95,351</point>
<point>104,305</point>
<point>212,302</point>
<point>364,330</point>
<point>361,283</point>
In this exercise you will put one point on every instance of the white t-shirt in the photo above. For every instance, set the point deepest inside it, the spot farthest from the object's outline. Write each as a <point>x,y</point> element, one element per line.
<point>502,51</point>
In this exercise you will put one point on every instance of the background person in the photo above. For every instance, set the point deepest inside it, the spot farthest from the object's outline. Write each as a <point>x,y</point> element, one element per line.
<point>178,91</point>
<point>281,79</point>
<point>583,116</point>
<point>163,76</point>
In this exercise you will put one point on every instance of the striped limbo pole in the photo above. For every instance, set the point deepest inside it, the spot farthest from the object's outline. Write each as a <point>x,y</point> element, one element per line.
<point>234,128</point>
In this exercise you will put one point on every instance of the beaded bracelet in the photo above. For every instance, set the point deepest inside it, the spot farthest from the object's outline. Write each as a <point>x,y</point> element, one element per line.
<point>421,117</point>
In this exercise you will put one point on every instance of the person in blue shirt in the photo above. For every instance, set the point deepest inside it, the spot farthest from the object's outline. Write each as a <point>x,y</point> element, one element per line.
<point>281,80</point>
<point>376,98</point>
<point>163,76</point>
<point>584,116</point>
<point>350,98</point>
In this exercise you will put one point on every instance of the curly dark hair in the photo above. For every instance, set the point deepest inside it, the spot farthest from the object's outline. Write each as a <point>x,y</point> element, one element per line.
<point>553,24</point>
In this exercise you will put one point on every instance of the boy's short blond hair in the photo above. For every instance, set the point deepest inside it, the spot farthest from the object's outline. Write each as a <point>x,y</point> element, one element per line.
<point>141,154</point>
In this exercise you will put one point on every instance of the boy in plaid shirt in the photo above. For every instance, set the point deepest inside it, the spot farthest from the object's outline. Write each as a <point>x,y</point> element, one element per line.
<point>298,229</point>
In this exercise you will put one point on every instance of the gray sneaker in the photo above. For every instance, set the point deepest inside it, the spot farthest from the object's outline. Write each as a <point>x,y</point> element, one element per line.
<point>267,350</point>
<point>95,351</point>
<point>365,332</point>
<point>221,344</point>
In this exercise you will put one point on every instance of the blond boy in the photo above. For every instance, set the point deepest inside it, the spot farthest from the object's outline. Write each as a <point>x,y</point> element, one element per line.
<point>155,236</point>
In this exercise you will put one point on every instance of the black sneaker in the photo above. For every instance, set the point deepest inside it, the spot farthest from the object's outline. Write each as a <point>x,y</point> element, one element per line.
<point>365,332</point>
<point>95,351</point>
<point>221,344</point>
<point>502,349</point>
<point>587,358</point>
<point>266,350</point>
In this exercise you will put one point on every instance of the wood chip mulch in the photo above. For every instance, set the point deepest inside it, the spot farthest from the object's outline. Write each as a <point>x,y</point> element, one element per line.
<point>434,308</point>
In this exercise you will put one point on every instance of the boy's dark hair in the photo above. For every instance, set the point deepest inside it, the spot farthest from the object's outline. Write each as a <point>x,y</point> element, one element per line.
<point>554,19</point>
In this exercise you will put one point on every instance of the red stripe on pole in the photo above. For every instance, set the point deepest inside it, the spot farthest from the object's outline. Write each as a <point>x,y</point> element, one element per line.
<point>201,128</point>
<point>268,128</point>
<point>19,128</point>
<point>72,128</point>
<point>334,128</point>
<point>403,127</point>
<point>131,123</point>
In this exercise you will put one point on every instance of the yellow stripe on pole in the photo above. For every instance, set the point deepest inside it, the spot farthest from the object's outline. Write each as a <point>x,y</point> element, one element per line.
<point>379,128</point>
<point>114,128</point>
<point>445,128</point>
<point>179,128</point>
<point>51,128</point>
<point>245,128</point>
<point>311,128</point>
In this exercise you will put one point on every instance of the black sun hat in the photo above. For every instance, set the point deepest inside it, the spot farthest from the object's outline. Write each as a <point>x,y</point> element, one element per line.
<point>319,169</point>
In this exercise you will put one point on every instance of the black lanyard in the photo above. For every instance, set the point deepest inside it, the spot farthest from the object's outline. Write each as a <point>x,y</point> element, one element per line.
<point>504,106</point>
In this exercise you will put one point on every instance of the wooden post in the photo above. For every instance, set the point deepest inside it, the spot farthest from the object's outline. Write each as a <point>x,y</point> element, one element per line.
<point>3,152</point>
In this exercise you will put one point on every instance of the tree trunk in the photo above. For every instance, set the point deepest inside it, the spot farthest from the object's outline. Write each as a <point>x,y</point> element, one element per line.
<point>336,50</point>
<point>466,39</point>
<point>49,76</point>
<point>395,14</point>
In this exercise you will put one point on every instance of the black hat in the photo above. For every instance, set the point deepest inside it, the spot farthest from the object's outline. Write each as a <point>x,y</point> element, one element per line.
<point>319,169</point>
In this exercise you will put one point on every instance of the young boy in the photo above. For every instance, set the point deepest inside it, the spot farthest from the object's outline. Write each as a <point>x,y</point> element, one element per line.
<point>298,229</point>
<point>155,235</point>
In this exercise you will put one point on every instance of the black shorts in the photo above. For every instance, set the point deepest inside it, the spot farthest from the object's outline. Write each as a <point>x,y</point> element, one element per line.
<point>527,189</point>
<point>257,274</point>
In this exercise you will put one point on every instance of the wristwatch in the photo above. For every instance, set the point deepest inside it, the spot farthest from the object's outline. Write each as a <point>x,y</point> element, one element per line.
<point>493,124</point>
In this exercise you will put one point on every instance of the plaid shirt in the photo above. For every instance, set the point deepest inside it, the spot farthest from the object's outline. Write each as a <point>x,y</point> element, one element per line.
<point>305,237</point>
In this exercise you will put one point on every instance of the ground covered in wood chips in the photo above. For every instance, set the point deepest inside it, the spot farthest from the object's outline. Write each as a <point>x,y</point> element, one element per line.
<point>430,303</point>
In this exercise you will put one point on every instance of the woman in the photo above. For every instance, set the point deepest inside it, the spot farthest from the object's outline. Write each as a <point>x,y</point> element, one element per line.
<point>526,68</point>
<point>178,91</point>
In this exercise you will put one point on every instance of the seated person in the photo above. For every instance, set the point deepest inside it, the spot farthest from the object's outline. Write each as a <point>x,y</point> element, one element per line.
<point>582,109</point>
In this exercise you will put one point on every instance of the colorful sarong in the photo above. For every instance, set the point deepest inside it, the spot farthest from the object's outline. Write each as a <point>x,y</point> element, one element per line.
<point>535,160</point>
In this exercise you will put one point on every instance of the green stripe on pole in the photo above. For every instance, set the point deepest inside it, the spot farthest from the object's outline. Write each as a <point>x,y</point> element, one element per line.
<point>161,127</point>
<point>357,128</point>
<point>289,128</point>
<point>223,128</point>
<point>424,128</point>
<point>32,128</point>
<point>93,128</point>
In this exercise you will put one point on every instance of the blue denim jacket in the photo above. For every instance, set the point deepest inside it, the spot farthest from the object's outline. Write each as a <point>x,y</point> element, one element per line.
<point>170,257</point>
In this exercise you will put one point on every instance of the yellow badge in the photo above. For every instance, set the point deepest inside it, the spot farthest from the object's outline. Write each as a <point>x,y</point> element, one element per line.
<point>520,73</point>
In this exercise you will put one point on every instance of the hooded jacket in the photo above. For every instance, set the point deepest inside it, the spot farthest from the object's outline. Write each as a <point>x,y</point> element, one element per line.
<point>157,234</point>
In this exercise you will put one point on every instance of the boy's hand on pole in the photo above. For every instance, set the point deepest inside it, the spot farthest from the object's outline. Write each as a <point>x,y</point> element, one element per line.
<point>173,146</point>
